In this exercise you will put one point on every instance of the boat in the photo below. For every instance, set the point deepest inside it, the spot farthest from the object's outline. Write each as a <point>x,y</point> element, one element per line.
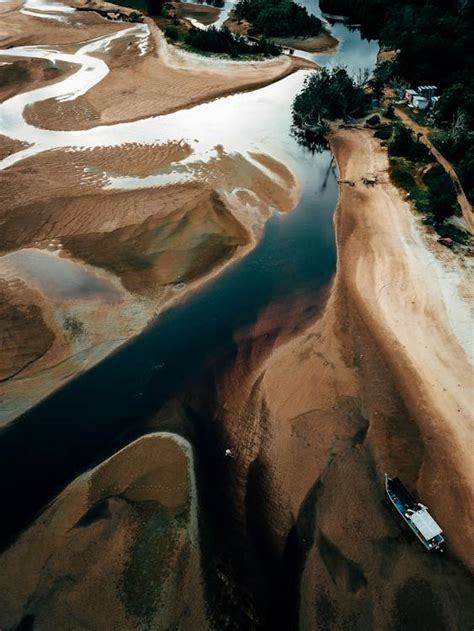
<point>415,514</point>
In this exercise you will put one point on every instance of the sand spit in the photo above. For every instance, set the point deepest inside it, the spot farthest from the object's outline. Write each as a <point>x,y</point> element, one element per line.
<point>408,300</point>
<point>324,43</point>
<point>162,81</point>
<point>18,29</point>
<point>99,556</point>
<point>9,146</point>
<point>20,75</point>
<point>381,382</point>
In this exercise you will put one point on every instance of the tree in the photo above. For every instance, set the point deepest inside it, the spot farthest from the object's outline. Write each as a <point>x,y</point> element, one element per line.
<point>403,145</point>
<point>154,7</point>
<point>328,95</point>
<point>278,18</point>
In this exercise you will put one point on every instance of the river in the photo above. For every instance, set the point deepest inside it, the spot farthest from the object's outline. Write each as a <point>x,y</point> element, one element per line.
<point>102,409</point>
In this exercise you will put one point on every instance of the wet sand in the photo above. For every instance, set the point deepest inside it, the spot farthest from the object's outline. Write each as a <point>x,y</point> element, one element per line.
<point>164,80</point>
<point>138,511</point>
<point>66,201</point>
<point>380,383</point>
<point>314,411</point>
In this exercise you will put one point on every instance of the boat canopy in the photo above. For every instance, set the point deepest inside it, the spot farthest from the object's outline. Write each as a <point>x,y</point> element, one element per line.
<point>425,524</point>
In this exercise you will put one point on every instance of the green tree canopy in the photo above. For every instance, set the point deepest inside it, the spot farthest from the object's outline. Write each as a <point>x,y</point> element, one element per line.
<point>278,18</point>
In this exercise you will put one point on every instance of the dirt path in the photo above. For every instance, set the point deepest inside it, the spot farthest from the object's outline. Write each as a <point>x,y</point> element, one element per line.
<point>463,201</point>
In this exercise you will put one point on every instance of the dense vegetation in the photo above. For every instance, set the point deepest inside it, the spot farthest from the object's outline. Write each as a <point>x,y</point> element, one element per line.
<point>328,95</point>
<point>434,40</point>
<point>430,188</point>
<point>402,144</point>
<point>278,18</point>
<point>223,41</point>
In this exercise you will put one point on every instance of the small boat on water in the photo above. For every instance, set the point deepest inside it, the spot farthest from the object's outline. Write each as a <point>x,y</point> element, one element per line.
<point>416,515</point>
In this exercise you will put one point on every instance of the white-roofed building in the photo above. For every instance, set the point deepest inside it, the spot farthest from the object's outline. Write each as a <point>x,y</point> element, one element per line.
<point>409,94</point>
<point>420,102</point>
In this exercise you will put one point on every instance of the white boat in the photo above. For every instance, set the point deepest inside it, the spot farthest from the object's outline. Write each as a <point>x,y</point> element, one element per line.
<point>415,514</point>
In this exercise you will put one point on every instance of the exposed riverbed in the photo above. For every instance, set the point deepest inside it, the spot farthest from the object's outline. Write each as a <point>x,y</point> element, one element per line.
<point>253,358</point>
<point>295,257</point>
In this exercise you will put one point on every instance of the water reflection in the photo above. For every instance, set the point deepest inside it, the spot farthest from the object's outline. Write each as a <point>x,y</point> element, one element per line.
<point>353,52</point>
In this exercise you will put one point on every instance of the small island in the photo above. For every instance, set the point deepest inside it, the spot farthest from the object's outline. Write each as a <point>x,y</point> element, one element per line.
<point>283,22</point>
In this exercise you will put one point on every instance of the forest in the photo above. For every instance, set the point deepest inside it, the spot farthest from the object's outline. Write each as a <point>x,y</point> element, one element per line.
<point>278,18</point>
<point>434,43</point>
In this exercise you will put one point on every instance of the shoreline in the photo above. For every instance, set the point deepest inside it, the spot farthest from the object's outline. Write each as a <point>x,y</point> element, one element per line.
<point>55,366</point>
<point>323,43</point>
<point>383,265</point>
<point>165,65</point>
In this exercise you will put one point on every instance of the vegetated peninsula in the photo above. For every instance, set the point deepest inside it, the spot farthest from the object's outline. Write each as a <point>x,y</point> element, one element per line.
<point>223,41</point>
<point>278,18</point>
<point>285,22</point>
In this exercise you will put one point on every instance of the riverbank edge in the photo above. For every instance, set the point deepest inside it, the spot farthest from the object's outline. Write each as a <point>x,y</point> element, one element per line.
<point>177,59</point>
<point>364,245</point>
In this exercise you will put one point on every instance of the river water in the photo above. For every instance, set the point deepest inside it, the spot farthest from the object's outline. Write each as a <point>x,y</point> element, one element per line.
<point>96,413</point>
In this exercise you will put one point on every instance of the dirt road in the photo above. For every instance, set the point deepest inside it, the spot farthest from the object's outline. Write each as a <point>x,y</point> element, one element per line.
<point>463,201</point>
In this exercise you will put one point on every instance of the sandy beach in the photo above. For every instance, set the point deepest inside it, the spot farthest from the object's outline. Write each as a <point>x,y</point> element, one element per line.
<point>411,294</point>
<point>380,383</point>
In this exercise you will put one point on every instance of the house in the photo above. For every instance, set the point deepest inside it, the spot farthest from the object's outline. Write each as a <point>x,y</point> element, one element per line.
<point>434,102</point>
<point>409,94</point>
<point>428,91</point>
<point>420,102</point>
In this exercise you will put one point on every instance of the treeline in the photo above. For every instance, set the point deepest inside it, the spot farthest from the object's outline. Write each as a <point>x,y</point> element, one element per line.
<point>434,40</point>
<point>278,18</point>
<point>214,3</point>
<point>327,95</point>
<point>224,42</point>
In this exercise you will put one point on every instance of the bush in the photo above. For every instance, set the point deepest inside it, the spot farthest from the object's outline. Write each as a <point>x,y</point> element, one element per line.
<point>441,192</point>
<point>384,133</point>
<point>448,230</point>
<point>402,174</point>
<point>466,172</point>
<point>404,145</point>
<point>172,32</point>
<point>373,120</point>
